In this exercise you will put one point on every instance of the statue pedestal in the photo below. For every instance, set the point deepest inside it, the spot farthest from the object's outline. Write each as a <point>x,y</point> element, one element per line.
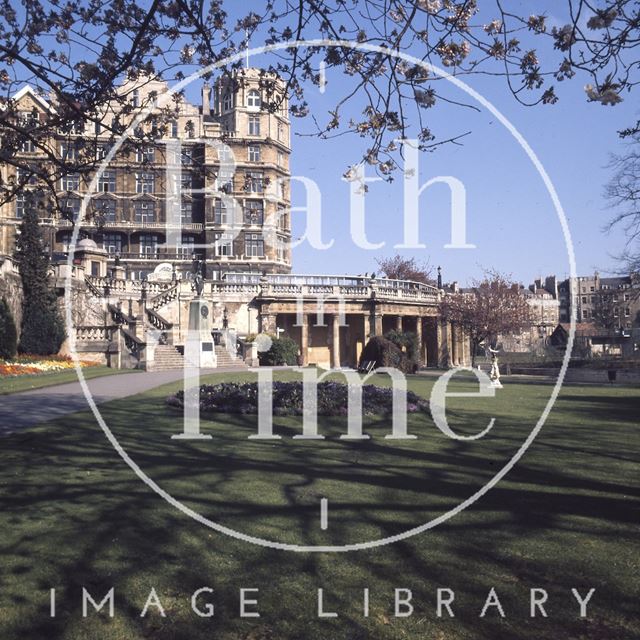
<point>198,349</point>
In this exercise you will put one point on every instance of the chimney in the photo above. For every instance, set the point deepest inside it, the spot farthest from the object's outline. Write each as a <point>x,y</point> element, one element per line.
<point>206,99</point>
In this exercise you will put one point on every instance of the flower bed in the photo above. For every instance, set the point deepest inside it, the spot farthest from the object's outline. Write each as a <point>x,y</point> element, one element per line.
<point>287,399</point>
<point>25,365</point>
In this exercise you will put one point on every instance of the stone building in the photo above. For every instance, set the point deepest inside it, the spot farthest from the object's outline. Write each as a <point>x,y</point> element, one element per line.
<point>607,301</point>
<point>208,179</point>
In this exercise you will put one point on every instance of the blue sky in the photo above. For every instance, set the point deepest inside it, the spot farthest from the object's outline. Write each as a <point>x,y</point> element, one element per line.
<point>510,214</point>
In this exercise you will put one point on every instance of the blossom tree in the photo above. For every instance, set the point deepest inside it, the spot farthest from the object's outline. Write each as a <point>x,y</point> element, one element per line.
<point>76,53</point>
<point>492,306</point>
<point>399,268</point>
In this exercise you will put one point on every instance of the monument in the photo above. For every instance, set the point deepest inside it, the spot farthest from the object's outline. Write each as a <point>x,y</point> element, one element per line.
<point>198,350</point>
<point>494,374</point>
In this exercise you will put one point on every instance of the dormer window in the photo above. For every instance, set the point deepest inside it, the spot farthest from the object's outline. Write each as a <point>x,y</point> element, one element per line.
<point>253,99</point>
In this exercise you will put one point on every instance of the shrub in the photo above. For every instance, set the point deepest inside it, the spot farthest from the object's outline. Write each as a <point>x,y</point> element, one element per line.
<point>406,341</point>
<point>386,354</point>
<point>42,328</point>
<point>8,334</point>
<point>287,399</point>
<point>283,351</point>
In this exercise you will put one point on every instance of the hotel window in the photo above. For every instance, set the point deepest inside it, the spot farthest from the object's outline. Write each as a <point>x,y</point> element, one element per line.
<point>627,312</point>
<point>253,245</point>
<point>626,297</point>
<point>65,241</point>
<point>282,219</point>
<point>253,99</point>
<point>253,181</point>
<point>227,102</point>
<point>280,130</point>
<point>71,182</point>
<point>135,99</point>
<point>281,248</point>
<point>224,182</point>
<point>186,212</point>
<point>145,154</point>
<point>174,128</point>
<point>186,181</point>
<point>26,175</point>
<point>107,182</point>
<point>280,157</point>
<point>112,243</point>
<point>187,247</point>
<point>223,244</point>
<point>101,151</point>
<point>220,212</point>
<point>28,146</point>
<point>187,156</point>
<point>616,312</point>
<point>253,212</point>
<point>21,204</point>
<point>225,154</point>
<point>145,183</point>
<point>69,151</point>
<point>254,125</point>
<point>28,118</point>
<point>70,208</point>
<point>148,245</point>
<point>106,208</point>
<point>254,153</point>
<point>144,212</point>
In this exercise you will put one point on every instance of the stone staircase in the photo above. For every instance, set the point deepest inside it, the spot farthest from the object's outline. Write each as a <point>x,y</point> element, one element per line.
<point>166,357</point>
<point>227,361</point>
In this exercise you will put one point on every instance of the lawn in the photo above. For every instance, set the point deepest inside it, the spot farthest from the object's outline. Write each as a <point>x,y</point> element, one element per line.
<point>13,384</point>
<point>74,515</point>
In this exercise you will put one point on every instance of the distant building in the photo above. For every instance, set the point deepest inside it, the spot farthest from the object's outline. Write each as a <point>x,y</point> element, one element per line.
<point>542,298</point>
<point>595,298</point>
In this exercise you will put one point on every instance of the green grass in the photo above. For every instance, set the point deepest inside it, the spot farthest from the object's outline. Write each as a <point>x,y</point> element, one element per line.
<point>14,384</point>
<point>73,515</point>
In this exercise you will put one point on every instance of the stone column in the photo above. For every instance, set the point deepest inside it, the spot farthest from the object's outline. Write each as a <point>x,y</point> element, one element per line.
<point>267,323</point>
<point>443,340</point>
<point>304,339</point>
<point>335,341</point>
<point>421,360</point>
<point>399,323</point>
<point>454,344</point>
<point>378,324</point>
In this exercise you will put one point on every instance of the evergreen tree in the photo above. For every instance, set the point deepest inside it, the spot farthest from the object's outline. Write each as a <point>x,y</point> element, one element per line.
<point>8,334</point>
<point>42,329</point>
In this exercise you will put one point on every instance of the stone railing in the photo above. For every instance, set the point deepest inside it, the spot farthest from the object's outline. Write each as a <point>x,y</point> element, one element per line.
<point>100,285</point>
<point>132,342</point>
<point>221,287</point>
<point>393,290</point>
<point>164,297</point>
<point>118,315</point>
<point>157,321</point>
<point>94,333</point>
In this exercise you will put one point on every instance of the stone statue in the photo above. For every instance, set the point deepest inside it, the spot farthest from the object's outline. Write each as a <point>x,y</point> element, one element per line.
<point>494,374</point>
<point>197,276</point>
